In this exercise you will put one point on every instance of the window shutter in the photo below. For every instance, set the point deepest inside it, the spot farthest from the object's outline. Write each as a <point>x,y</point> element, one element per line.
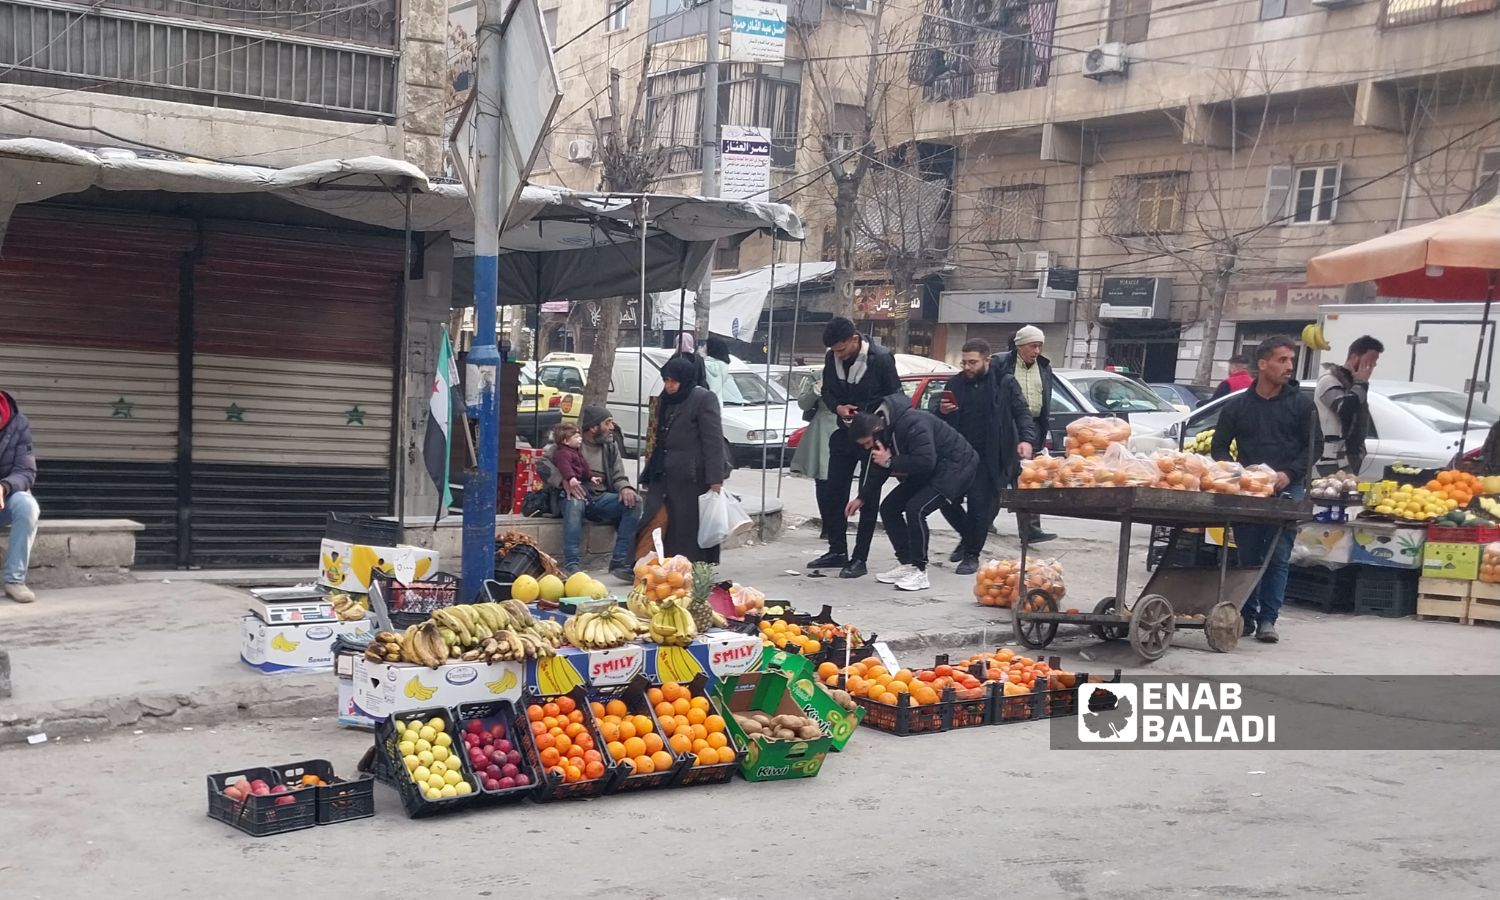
<point>1338,188</point>
<point>1487,186</point>
<point>1278,192</point>
<point>1272,9</point>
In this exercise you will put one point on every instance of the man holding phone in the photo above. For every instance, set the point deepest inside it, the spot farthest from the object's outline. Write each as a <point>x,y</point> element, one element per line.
<point>984,405</point>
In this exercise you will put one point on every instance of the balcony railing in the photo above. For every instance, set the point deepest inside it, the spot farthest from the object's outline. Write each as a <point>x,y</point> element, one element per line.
<point>967,48</point>
<point>1414,12</point>
<point>338,64</point>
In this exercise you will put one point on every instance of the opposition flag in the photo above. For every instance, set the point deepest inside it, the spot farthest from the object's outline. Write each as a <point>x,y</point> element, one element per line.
<point>437,443</point>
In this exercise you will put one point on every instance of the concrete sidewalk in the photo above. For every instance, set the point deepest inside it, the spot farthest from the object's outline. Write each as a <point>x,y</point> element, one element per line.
<point>165,653</point>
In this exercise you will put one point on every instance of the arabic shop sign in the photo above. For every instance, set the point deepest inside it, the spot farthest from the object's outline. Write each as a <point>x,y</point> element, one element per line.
<point>745,162</point>
<point>758,32</point>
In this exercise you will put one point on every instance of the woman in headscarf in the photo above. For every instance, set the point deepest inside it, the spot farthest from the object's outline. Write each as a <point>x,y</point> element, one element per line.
<point>687,459</point>
<point>686,349</point>
<point>716,369</point>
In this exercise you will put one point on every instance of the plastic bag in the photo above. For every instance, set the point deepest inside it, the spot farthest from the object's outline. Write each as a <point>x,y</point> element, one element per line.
<point>1489,564</point>
<point>1121,468</point>
<point>1258,481</point>
<point>713,519</point>
<point>1092,435</point>
<point>739,520</point>
<point>1223,477</point>
<point>659,580</point>
<point>1041,471</point>
<point>1078,471</point>
<point>1179,471</point>
<point>997,583</point>
<point>747,599</point>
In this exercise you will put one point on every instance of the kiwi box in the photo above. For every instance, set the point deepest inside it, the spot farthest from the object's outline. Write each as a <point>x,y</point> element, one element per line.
<point>1443,559</point>
<point>815,700</point>
<point>764,759</point>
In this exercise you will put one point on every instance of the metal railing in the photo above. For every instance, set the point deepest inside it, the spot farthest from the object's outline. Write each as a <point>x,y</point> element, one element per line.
<point>150,55</point>
<point>1398,13</point>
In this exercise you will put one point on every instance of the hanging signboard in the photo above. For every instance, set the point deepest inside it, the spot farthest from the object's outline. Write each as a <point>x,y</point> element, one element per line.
<point>758,32</point>
<point>744,162</point>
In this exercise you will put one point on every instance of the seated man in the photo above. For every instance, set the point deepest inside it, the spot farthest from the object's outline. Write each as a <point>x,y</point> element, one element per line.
<point>18,509</point>
<point>607,497</point>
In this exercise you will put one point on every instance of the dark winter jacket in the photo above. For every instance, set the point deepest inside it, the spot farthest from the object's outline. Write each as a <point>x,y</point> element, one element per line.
<point>1006,364</point>
<point>880,381</point>
<point>925,449</point>
<point>17,458</point>
<point>693,448</point>
<point>1007,421</point>
<point>1281,432</point>
<point>1344,417</point>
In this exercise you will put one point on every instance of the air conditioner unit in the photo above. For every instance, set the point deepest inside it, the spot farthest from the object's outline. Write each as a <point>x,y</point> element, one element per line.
<point>580,151</point>
<point>1334,4</point>
<point>1035,262</point>
<point>1104,60</point>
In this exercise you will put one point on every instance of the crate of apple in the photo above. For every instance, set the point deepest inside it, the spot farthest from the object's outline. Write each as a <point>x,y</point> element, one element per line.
<point>491,742</point>
<point>258,802</point>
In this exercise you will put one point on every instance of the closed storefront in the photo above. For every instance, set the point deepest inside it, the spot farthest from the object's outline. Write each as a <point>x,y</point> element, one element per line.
<point>225,386</point>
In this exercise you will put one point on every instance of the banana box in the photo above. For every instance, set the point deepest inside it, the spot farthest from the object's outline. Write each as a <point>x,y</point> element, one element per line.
<point>384,689</point>
<point>1392,546</point>
<point>347,566</point>
<point>838,723</point>
<point>725,653</point>
<point>297,647</point>
<point>1321,543</point>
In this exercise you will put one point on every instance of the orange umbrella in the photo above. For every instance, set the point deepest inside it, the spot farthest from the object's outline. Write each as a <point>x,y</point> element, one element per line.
<point>1456,257</point>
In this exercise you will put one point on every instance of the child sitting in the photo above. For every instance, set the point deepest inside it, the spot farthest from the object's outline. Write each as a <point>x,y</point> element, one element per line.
<point>568,456</point>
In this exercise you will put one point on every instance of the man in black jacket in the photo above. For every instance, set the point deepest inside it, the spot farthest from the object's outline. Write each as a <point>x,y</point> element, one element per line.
<point>987,408</point>
<point>18,509</point>
<point>935,466</point>
<point>857,376</point>
<point>1033,374</point>
<point>1276,425</point>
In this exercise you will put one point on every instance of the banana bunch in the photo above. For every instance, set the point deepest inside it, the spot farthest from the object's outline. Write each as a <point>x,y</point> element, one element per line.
<point>1313,339</point>
<point>384,647</point>
<point>639,604</point>
<point>470,627</point>
<point>508,645</point>
<point>672,624</point>
<point>602,630</point>
<point>421,645</point>
<point>346,608</point>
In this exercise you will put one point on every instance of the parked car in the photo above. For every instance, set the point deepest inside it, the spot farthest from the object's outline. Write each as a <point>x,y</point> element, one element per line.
<point>1416,424</point>
<point>538,409</point>
<point>1185,397</point>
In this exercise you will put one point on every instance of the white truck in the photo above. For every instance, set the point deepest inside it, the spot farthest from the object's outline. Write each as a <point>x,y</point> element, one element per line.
<point>1428,343</point>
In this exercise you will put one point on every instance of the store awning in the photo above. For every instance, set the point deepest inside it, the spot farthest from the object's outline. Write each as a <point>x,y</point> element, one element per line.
<point>556,242</point>
<point>735,305</point>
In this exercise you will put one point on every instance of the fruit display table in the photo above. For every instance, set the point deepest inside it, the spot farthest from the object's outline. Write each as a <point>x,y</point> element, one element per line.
<point>1174,598</point>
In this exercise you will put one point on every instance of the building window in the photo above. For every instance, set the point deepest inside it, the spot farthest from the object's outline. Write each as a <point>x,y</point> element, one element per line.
<point>1487,185</point>
<point>727,255</point>
<point>1147,204</point>
<point>1414,12</point>
<point>619,11</point>
<point>1129,20</point>
<point>764,97</point>
<point>848,128</point>
<point>1012,214</point>
<point>549,20</point>
<point>1316,197</point>
<point>988,48</point>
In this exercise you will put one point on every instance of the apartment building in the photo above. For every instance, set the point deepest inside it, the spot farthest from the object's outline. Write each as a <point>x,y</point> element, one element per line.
<point>1133,176</point>
<point>222,366</point>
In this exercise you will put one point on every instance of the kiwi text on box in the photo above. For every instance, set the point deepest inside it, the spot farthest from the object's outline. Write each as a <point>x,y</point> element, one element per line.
<point>814,699</point>
<point>765,759</point>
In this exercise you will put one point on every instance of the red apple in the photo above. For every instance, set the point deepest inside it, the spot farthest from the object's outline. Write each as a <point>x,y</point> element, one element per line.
<point>474,727</point>
<point>509,771</point>
<point>513,758</point>
<point>522,780</point>
<point>507,783</point>
<point>504,747</point>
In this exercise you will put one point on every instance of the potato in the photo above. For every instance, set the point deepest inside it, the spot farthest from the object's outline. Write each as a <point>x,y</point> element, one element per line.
<point>810,732</point>
<point>751,727</point>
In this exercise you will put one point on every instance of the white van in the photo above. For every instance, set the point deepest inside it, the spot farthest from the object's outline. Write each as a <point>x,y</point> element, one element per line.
<point>756,423</point>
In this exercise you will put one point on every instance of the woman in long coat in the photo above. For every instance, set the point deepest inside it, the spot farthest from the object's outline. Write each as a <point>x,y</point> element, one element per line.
<point>811,458</point>
<point>687,459</point>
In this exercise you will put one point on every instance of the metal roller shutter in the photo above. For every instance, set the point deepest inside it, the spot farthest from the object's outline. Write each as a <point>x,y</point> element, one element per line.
<point>292,390</point>
<point>89,303</point>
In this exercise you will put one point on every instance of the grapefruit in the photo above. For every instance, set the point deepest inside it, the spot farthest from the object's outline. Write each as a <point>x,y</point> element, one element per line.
<point>525,589</point>
<point>551,588</point>
<point>597,590</point>
<point>578,585</point>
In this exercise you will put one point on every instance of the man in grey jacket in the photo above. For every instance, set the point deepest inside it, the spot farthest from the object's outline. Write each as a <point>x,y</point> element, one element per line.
<point>1343,400</point>
<point>608,498</point>
<point>18,509</point>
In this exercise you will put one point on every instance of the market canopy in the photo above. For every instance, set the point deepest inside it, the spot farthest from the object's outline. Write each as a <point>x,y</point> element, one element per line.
<point>1452,258</point>
<point>556,242</point>
<point>736,302</point>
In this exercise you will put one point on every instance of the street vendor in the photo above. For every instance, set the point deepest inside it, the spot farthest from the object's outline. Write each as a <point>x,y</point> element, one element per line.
<point>1343,399</point>
<point>1275,425</point>
<point>18,509</point>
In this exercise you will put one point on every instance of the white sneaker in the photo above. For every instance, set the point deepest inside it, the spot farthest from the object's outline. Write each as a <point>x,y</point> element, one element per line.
<point>915,580</point>
<point>895,575</point>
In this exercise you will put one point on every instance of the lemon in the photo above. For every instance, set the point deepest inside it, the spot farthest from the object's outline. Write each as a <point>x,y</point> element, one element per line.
<point>525,589</point>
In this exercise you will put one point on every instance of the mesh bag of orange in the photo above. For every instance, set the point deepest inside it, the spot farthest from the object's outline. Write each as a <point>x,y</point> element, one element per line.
<point>998,581</point>
<point>660,579</point>
<point>1092,435</point>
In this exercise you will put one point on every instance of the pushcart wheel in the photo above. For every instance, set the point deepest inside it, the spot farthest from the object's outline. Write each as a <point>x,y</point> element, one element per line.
<point>1106,607</point>
<point>1033,634</point>
<point>1222,627</point>
<point>1152,624</point>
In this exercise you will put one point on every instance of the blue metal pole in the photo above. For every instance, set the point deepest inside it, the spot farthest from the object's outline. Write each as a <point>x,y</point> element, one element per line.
<point>480,488</point>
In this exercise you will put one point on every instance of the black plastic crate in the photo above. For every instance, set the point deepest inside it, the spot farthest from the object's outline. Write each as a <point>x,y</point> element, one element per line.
<point>1328,589</point>
<point>341,800</point>
<point>1391,593</point>
<point>522,559</point>
<point>551,785</point>
<point>692,775</point>
<point>518,732</point>
<point>359,529</point>
<point>633,695</point>
<point>404,605</point>
<point>416,804</point>
<point>265,814</point>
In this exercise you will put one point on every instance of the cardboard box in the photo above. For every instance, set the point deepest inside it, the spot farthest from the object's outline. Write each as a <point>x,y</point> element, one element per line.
<point>1441,559</point>
<point>1321,543</point>
<point>813,697</point>
<point>347,566</point>
<point>383,689</point>
<point>349,714</point>
<point>726,653</point>
<point>767,760</point>
<point>304,647</point>
<point>1392,546</point>
<point>716,654</point>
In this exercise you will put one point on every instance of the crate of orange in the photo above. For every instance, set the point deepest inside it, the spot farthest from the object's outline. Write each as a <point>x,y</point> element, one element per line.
<point>1029,688</point>
<point>634,736</point>
<point>566,748</point>
<point>698,731</point>
<point>815,635</point>
<point>941,698</point>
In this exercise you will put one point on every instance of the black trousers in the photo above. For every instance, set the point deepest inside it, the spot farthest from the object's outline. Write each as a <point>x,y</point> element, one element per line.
<point>844,457</point>
<point>972,517</point>
<point>904,513</point>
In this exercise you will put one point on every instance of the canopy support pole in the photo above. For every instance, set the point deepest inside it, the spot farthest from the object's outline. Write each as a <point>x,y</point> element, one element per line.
<point>642,418</point>
<point>1484,324</point>
<point>791,357</point>
<point>765,460</point>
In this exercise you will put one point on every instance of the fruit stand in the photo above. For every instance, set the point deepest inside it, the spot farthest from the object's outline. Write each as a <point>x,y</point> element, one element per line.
<point>1174,597</point>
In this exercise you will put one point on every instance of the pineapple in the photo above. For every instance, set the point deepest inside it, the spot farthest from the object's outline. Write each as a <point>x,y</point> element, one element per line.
<point>703,585</point>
